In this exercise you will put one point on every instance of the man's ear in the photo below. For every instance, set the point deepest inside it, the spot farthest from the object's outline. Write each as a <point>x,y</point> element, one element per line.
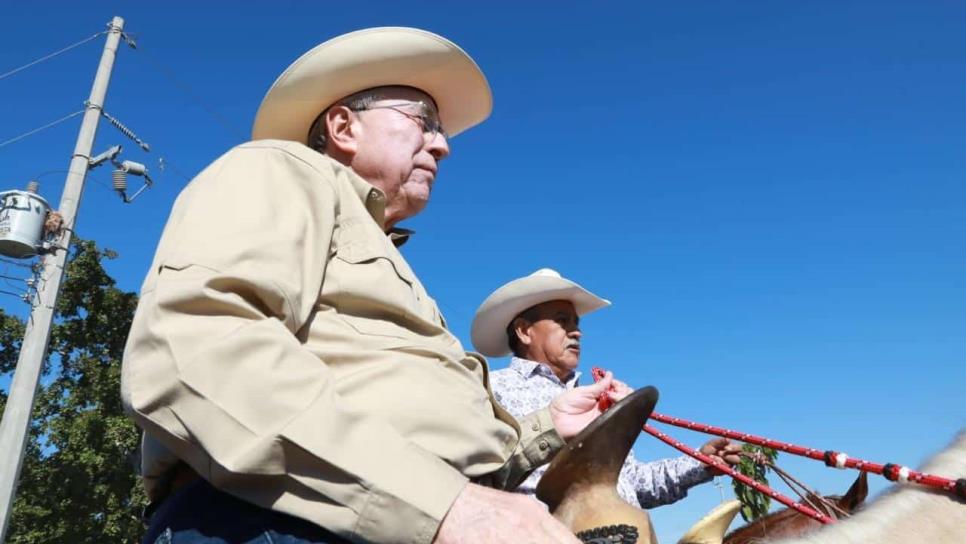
<point>521,327</point>
<point>343,132</point>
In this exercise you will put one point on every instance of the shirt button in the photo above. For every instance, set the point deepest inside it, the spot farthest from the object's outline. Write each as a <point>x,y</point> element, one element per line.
<point>544,446</point>
<point>535,426</point>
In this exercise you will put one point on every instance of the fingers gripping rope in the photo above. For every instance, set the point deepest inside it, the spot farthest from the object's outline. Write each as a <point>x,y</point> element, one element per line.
<point>605,402</point>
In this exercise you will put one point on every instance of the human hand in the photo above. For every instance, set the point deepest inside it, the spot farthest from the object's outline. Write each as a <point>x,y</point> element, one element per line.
<point>575,409</point>
<point>481,514</point>
<point>617,387</point>
<point>723,451</point>
<point>620,390</point>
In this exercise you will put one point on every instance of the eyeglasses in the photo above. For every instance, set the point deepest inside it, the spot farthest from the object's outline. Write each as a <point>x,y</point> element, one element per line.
<point>426,117</point>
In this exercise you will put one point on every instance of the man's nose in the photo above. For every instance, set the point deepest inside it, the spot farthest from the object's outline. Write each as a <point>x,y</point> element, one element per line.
<point>438,147</point>
<point>575,333</point>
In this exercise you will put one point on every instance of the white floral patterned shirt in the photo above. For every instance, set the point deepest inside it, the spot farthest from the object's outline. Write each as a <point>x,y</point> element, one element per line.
<point>527,386</point>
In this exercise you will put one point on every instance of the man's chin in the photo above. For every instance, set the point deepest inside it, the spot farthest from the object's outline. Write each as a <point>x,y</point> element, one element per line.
<point>418,192</point>
<point>570,363</point>
<point>417,203</point>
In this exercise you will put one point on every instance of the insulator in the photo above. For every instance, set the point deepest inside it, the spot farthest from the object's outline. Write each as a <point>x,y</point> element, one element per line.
<point>33,186</point>
<point>120,180</point>
<point>120,126</point>
<point>125,131</point>
<point>135,168</point>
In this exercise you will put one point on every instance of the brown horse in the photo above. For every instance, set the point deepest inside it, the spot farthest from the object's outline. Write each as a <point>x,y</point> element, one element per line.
<point>788,522</point>
<point>908,514</point>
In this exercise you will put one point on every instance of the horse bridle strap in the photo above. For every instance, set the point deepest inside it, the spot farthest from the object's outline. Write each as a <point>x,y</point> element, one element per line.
<point>831,458</point>
<point>757,486</point>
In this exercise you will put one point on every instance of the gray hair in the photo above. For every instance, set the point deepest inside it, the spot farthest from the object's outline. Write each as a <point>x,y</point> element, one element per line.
<point>318,132</point>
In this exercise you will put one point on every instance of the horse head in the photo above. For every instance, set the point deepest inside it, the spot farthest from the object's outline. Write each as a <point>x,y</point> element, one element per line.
<point>787,522</point>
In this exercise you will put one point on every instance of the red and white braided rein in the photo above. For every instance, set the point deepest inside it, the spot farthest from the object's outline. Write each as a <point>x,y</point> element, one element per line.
<point>831,458</point>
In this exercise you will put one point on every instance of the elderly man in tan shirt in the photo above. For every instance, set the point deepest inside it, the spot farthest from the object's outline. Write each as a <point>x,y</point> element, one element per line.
<point>293,378</point>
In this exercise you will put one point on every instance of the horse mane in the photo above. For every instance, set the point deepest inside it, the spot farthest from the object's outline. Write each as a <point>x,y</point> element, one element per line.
<point>907,514</point>
<point>787,522</point>
<point>784,522</point>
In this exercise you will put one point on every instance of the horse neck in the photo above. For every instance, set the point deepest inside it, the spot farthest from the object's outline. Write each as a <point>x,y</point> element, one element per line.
<point>778,524</point>
<point>910,514</point>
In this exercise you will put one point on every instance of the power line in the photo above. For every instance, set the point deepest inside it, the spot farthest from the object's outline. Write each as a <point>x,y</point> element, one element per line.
<point>36,130</point>
<point>6,279</point>
<point>18,295</point>
<point>52,55</point>
<point>165,164</point>
<point>193,96</point>
<point>99,182</point>
<point>15,263</point>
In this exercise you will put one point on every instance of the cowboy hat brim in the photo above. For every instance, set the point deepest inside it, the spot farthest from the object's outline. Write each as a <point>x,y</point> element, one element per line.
<point>488,331</point>
<point>374,57</point>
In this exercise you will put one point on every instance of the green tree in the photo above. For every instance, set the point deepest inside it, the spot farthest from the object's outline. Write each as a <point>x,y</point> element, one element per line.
<point>78,483</point>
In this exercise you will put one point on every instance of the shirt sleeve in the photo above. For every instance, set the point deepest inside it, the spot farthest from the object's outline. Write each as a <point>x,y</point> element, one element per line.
<point>539,443</point>
<point>215,369</point>
<point>539,440</point>
<point>664,481</point>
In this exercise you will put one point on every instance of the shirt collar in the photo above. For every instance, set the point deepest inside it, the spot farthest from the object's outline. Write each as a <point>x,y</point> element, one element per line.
<point>528,368</point>
<point>399,235</point>
<point>375,202</point>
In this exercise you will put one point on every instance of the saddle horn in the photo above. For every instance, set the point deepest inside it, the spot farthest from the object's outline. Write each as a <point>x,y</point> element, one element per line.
<point>580,486</point>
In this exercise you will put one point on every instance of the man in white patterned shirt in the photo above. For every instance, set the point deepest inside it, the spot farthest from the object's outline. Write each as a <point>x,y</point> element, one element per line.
<point>536,318</point>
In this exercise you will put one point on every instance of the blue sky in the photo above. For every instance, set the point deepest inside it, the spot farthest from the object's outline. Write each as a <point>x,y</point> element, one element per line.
<point>772,194</point>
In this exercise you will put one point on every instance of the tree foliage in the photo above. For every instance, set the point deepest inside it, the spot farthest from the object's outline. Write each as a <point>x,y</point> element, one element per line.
<point>78,483</point>
<point>754,504</point>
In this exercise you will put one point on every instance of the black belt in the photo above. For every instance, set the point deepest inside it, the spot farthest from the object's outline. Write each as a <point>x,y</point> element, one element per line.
<point>173,479</point>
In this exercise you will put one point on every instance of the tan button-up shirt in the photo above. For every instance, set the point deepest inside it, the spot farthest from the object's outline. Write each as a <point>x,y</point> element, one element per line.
<point>284,349</point>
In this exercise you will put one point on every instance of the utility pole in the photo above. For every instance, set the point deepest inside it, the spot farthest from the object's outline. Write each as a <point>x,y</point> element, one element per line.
<point>33,351</point>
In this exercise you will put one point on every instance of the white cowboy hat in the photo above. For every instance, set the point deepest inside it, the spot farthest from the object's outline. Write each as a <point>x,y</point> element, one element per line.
<point>369,58</point>
<point>488,331</point>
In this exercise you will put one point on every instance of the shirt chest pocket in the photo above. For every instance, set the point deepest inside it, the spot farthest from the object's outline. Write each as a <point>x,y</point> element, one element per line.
<point>373,290</point>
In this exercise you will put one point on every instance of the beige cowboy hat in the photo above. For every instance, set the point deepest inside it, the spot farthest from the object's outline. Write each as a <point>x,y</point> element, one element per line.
<point>369,58</point>
<point>488,331</point>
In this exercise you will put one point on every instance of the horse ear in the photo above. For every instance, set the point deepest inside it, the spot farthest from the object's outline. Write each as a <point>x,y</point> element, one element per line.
<point>712,527</point>
<point>856,494</point>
